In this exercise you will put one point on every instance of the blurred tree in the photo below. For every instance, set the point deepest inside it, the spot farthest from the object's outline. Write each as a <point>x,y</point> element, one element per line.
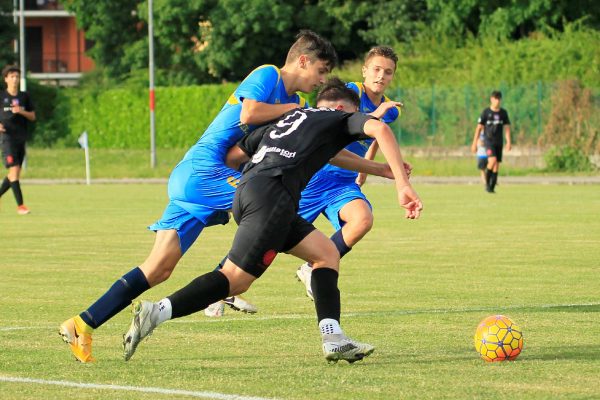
<point>509,19</point>
<point>8,32</point>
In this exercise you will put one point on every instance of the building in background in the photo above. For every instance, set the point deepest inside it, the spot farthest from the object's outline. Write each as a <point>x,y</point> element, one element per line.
<point>54,46</point>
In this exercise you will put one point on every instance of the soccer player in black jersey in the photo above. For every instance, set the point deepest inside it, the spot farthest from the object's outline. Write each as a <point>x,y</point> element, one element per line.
<point>493,122</point>
<point>281,158</point>
<point>16,110</point>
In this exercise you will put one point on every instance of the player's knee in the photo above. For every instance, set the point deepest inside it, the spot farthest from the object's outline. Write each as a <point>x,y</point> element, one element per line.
<point>330,257</point>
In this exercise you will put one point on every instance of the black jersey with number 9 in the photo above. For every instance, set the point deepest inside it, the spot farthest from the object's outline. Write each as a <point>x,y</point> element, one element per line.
<point>297,145</point>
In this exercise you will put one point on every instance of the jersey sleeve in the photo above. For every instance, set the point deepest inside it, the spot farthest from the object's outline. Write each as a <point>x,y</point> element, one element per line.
<point>249,143</point>
<point>505,117</point>
<point>356,124</point>
<point>259,84</point>
<point>392,114</point>
<point>482,118</point>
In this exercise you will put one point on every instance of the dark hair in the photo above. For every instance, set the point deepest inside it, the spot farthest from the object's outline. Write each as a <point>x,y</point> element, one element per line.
<point>335,89</point>
<point>314,46</point>
<point>10,68</point>
<point>383,51</point>
<point>496,94</point>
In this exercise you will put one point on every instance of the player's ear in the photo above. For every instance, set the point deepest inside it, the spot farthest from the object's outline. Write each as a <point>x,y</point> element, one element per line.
<point>339,107</point>
<point>303,60</point>
<point>364,71</point>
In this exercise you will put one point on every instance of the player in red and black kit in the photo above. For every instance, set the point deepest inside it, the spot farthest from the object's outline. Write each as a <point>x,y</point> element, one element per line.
<point>16,109</point>
<point>492,122</point>
<point>281,158</point>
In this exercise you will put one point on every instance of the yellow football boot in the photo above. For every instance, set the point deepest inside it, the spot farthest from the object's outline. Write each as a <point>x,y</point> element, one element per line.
<point>78,335</point>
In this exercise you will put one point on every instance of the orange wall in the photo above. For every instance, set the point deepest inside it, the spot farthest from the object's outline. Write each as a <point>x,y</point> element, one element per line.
<point>60,37</point>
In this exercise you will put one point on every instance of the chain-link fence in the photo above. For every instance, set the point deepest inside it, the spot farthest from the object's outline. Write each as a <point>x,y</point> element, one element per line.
<point>447,116</point>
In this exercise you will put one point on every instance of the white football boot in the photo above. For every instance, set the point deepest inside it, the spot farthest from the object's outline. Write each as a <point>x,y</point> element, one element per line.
<point>215,309</point>
<point>145,315</point>
<point>304,274</point>
<point>340,347</point>
<point>238,303</point>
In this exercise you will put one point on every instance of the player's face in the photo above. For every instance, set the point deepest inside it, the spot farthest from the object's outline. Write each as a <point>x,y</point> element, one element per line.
<point>12,80</point>
<point>495,103</point>
<point>313,74</point>
<point>378,73</point>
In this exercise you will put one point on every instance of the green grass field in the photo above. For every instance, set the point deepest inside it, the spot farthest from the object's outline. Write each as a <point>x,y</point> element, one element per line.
<point>414,289</point>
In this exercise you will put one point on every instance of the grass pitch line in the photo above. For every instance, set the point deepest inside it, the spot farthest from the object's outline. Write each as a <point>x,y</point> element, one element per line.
<point>177,392</point>
<point>593,306</point>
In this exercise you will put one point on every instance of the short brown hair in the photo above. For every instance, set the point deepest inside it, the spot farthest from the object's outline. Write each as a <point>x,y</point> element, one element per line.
<point>10,68</point>
<point>496,94</point>
<point>335,89</point>
<point>382,51</point>
<point>309,43</point>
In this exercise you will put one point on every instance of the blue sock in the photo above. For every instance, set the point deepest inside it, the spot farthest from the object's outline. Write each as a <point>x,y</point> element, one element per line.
<point>119,296</point>
<point>342,247</point>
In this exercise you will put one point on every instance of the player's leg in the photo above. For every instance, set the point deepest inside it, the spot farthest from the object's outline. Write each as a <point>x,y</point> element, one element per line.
<point>262,230</point>
<point>491,166</point>
<point>349,212</point>
<point>15,154</point>
<point>317,249</point>
<point>494,176</point>
<point>77,331</point>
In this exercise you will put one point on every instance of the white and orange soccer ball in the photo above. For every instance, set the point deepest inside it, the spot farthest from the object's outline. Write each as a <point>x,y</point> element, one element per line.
<point>498,338</point>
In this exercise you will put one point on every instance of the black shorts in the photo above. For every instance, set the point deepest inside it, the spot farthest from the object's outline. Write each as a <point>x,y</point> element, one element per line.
<point>13,152</point>
<point>494,150</point>
<point>268,224</point>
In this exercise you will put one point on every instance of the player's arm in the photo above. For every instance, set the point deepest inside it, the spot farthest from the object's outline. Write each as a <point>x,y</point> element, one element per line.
<point>407,197</point>
<point>478,130</point>
<point>350,161</point>
<point>30,115</point>
<point>507,136</point>
<point>236,157</point>
<point>385,107</point>
<point>257,113</point>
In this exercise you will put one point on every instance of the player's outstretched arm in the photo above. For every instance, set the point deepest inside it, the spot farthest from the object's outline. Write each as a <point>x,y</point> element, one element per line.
<point>257,113</point>
<point>236,157</point>
<point>350,161</point>
<point>407,197</point>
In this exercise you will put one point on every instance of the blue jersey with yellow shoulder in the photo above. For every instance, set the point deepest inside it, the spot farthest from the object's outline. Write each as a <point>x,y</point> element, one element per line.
<point>264,84</point>
<point>360,147</point>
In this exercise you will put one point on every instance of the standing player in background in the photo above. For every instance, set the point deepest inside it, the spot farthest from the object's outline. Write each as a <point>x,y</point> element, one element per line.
<point>201,187</point>
<point>335,192</point>
<point>16,109</point>
<point>493,122</point>
<point>280,160</point>
<point>481,157</point>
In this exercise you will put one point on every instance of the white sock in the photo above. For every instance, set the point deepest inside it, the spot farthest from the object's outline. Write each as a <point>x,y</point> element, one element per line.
<point>330,326</point>
<point>164,311</point>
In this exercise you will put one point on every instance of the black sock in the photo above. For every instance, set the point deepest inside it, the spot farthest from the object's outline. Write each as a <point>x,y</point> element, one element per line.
<point>16,188</point>
<point>199,294</point>
<point>324,284</point>
<point>488,178</point>
<point>119,296</point>
<point>5,186</point>
<point>493,180</point>
<point>338,240</point>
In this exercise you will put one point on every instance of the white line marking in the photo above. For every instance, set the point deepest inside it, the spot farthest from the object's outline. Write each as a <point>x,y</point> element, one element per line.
<point>203,395</point>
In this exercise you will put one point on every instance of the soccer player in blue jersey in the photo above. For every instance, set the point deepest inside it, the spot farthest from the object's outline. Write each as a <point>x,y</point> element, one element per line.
<point>335,192</point>
<point>201,187</point>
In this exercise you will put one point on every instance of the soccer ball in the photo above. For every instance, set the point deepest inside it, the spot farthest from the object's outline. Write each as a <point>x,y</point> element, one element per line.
<point>498,338</point>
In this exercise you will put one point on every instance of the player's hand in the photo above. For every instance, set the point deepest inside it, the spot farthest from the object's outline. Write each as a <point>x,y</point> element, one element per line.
<point>2,129</point>
<point>362,177</point>
<point>385,107</point>
<point>473,148</point>
<point>16,109</point>
<point>410,201</point>
<point>508,146</point>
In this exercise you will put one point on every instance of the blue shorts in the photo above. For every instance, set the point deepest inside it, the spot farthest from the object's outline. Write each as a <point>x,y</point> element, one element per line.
<point>326,195</point>
<point>199,196</point>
